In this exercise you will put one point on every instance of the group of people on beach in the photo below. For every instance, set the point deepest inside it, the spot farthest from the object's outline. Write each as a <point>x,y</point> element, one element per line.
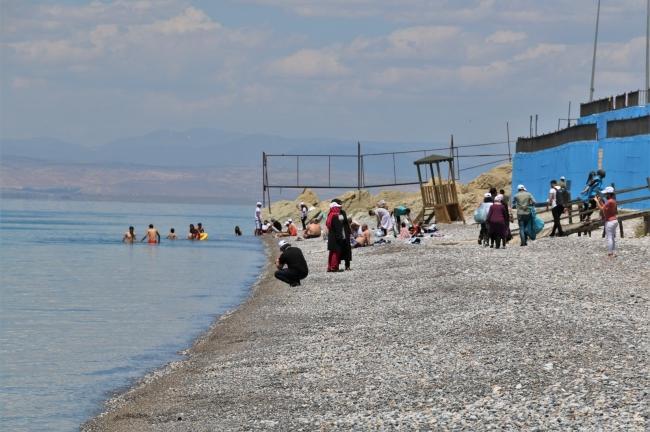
<point>494,217</point>
<point>152,236</point>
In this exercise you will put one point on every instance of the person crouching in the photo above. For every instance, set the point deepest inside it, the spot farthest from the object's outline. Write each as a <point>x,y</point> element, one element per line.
<point>296,266</point>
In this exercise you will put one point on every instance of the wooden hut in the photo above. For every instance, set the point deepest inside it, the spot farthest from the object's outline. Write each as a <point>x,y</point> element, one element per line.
<point>439,198</point>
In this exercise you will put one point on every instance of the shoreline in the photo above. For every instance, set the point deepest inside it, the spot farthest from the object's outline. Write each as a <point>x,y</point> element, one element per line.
<point>218,329</point>
<point>442,335</point>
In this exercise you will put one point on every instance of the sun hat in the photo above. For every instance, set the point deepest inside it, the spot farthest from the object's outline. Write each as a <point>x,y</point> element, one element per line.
<point>608,190</point>
<point>302,203</point>
<point>259,204</point>
<point>498,198</point>
<point>338,201</point>
<point>290,220</point>
<point>487,195</point>
<point>283,244</point>
<point>287,223</point>
<point>382,202</point>
<point>334,204</point>
<point>521,187</point>
<point>562,178</point>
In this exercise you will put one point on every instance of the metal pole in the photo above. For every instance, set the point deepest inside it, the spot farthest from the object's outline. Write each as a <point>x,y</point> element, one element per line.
<point>329,170</point>
<point>451,154</point>
<point>263,179</point>
<point>358,166</point>
<point>530,126</point>
<point>647,54</point>
<point>394,169</point>
<point>297,170</point>
<point>536,124</point>
<point>568,119</point>
<point>508,133</point>
<point>593,62</point>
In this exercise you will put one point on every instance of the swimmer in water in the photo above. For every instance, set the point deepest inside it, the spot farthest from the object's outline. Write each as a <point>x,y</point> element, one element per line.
<point>237,231</point>
<point>172,234</point>
<point>129,236</point>
<point>152,235</point>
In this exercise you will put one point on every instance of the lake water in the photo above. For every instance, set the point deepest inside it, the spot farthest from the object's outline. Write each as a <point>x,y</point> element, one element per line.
<point>82,314</point>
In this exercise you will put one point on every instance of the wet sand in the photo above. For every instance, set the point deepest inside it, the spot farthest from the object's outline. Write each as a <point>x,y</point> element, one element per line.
<point>442,335</point>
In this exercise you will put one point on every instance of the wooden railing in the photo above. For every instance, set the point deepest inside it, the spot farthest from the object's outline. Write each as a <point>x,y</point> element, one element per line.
<point>440,194</point>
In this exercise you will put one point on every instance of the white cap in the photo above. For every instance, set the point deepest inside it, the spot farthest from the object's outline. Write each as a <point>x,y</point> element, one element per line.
<point>521,187</point>
<point>334,204</point>
<point>287,223</point>
<point>290,220</point>
<point>498,198</point>
<point>381,202</point>
<point>283,243</point>
<point>487,195</point>
<point>562,178</point>
<point>608,190</point>
<point>259,204</point>
<point>302,203</point>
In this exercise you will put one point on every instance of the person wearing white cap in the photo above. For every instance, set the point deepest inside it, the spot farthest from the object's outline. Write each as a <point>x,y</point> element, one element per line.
<point>556,208</point>
<point>610,213</point>
<point>258,218</point>
<point>336,237</point>
<point>291,264</point>
<point>304,211</point>
<point>523,201</point>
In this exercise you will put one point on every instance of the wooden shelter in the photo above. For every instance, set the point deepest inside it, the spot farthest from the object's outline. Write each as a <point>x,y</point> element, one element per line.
<point>438,199</point>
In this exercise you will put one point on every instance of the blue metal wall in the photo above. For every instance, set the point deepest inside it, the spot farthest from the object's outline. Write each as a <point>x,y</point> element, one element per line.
<point>625,160</point>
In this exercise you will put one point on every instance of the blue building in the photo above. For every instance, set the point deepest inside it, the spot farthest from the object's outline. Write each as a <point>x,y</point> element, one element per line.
<point>612,134</point>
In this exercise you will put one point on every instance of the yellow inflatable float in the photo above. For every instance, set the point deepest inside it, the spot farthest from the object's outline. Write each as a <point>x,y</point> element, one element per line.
<point>203,236</point>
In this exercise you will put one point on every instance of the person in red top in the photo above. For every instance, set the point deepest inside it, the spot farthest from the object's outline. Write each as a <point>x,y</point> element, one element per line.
<point>609,211</point>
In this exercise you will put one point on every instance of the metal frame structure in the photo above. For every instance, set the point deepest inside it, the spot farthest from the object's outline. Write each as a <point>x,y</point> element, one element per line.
<point>455,170</point>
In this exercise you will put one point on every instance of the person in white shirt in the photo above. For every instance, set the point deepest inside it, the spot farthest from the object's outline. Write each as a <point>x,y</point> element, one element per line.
<point>258,219</point>
<point>556,210</point>
<point>384,219</point>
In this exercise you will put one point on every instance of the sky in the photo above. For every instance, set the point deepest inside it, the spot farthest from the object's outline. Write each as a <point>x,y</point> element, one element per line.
<point>404,71</point>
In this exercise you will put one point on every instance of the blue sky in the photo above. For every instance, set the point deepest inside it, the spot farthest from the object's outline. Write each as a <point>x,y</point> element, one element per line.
<point>409,70</point>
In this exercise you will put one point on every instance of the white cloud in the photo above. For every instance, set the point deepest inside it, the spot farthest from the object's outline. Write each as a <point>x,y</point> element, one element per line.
<point>191,20</point>
<point>23,83</point>
<point>309,63</point>
<point>540,51</point>
<point>506,37</point>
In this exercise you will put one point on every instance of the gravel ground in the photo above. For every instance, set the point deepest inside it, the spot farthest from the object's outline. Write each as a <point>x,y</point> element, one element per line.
<point>446,335</point>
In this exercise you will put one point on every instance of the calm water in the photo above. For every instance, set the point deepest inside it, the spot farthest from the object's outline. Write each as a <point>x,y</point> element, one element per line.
<point>82,314</point>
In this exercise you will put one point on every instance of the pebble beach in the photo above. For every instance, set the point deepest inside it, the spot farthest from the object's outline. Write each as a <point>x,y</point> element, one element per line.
<point>444,335</point>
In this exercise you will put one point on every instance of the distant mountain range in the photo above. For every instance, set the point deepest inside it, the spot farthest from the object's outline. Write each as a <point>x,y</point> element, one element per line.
<point>192,165</point>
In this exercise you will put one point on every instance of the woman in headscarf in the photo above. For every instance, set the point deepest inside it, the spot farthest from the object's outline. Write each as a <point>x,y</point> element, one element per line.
<point>335,237</point>
<point>497,221</point>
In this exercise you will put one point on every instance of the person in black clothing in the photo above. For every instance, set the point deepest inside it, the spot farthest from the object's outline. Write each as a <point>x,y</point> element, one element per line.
<point>346,250</point>
<point>296,266</point>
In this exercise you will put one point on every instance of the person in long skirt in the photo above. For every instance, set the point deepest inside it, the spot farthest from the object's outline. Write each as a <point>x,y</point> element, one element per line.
<point>335,237</point>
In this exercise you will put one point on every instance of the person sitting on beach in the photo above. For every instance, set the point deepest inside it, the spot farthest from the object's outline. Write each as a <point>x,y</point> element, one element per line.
<point>266,226</point>
<point>237,231</point>
<point>296,266</point>
<point>292,230</point>
<point>404,233</point>
<point>384,220</point>
<point>313,230</point>
<point>193,234</point>
<point>172,234</point>
<point>129,236</point>
<point>276,226</point>
<point>364,238</point>
<point>152,235</point>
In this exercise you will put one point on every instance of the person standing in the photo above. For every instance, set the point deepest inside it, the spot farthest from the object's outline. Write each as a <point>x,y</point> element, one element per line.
<point>152,235</point>
<point>304,211</point>
<point>523,201</point>
<point>129,236</point>
<point>258,219</point>
<point>294,261</point>
<point>610,216</point>
<point>384,220</point>
<point>346,252</point>
<point>497,220</point>
<point>335,237</point>
<point>557,209</point>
